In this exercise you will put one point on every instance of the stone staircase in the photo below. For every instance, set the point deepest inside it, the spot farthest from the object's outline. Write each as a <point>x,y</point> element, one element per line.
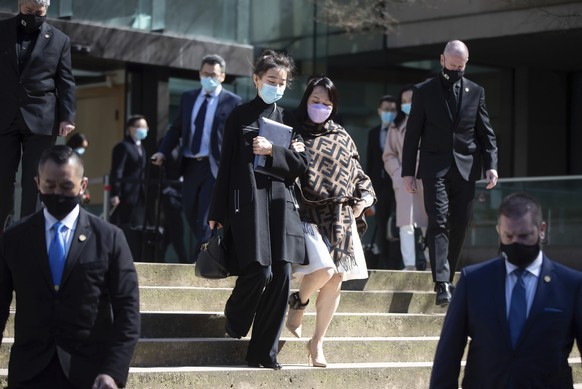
<point>383,336</point>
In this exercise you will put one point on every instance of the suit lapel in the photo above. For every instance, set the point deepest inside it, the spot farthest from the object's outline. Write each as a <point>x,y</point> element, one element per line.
<point>188,108</point>
<point>39,245</point>
<point>437,84</point>
<point>10,44</point>
<point>537,306</point>
<point>78,243</point>
<point>499,299</point>
<point>44,36</point>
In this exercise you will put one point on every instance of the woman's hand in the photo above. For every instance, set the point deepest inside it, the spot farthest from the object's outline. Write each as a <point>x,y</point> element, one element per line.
<point>297,146</point>
<point>262,146</point>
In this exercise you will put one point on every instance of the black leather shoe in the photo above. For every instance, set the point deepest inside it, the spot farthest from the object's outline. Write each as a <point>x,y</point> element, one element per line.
<point>443,293</point>
<point>270,365</point>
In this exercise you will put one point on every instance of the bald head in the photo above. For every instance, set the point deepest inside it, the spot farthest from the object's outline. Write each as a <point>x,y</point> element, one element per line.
<point>456,48</point>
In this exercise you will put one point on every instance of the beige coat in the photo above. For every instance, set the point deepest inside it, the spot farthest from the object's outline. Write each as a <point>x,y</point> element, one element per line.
<point>409,207</point>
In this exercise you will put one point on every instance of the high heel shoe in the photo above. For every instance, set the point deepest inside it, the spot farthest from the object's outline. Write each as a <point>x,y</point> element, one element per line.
<point>315,355</point>
<point>295,314</point>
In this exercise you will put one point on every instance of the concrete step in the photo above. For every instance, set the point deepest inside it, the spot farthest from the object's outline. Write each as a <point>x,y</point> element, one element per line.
<point>387,375</point>
<point>226,351</point>
<point>157,298</point>
<point>211,325</point>
<point>152,274</point>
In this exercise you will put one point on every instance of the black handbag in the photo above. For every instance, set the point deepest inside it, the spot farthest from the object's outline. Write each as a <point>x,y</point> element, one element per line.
<point>212,259</point>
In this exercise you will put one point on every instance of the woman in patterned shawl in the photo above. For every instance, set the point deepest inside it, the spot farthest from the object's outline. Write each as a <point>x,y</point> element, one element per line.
<point>335,191</point>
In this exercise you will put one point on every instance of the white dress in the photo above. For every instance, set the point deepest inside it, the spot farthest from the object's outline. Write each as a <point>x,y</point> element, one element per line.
<point>317,251</point>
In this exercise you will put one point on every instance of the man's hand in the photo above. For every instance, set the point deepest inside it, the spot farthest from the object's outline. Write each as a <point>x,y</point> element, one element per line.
<point>115,201</point>
<point>214,224</point>
<point>104,381</point>
<point>409,183</point>
<point>66,128</point>
<point>158,159</point>
<point>491,176</point>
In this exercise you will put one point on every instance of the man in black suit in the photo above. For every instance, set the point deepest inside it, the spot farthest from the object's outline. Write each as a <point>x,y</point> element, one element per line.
<point>128,164</point>
<point>382,183</point>
<point>200,124</point>
<point>450,121</point>
<point>77,320</point>
<point>521,310</point>
<point>37,99</point>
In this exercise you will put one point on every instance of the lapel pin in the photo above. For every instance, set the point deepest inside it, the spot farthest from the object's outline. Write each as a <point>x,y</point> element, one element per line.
<point>466,89</point>
<point>47,36</point>
<point>82,238</point>
<point>547,279</point>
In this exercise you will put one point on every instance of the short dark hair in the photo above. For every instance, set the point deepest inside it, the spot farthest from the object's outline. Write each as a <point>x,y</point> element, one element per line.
<point>388,99</point>
<point>60,155</point>
<point>134,119</point>
<point>270,59</point>
<point>517,205</point>
<point>327,84</point>
<point>213,59</point>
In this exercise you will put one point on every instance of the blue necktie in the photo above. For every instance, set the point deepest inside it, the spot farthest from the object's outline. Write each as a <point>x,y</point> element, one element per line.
<point>517,307</point>
<point>57,254</point>
<point>199,126</point>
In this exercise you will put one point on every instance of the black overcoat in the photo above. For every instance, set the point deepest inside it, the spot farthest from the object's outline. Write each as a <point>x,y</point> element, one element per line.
<point>259,212</point>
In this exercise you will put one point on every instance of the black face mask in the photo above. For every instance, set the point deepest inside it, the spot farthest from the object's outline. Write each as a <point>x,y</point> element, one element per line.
<point>58,205</point>
<point>452,76</point>
<point>31,22</point>
<point>520,255</point>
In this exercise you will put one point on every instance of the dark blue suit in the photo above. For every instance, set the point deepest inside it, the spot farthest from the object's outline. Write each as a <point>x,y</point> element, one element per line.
<point>478,311</point>
<point>199,176</point>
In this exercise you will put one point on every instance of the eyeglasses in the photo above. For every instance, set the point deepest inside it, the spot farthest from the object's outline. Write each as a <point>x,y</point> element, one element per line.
<point>211,75</point>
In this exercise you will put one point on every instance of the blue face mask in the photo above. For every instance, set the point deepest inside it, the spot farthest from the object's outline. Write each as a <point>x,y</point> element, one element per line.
<point>388,116</point>
<point>141,133</point>
<point>270,93</point>
<point>406,108</point>
<point>79,150</point>
<point>209,83</point>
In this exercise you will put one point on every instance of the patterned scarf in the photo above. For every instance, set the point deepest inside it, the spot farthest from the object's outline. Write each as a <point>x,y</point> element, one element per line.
<point>334,182</point>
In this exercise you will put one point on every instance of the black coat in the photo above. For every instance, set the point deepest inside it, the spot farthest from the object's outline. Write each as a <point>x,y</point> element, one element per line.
<point>259,213</point>
<point>128,171</point>
<point>93,321</point>
<point>468,141</point>
<point>44,91</point>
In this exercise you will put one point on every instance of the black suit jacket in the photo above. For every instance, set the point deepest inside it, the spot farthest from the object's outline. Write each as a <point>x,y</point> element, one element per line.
<point>374,163</point>
<point>182,125</point>
<point>478,311</point>
<point>128,171</point>
<point>468,141</point>
<point>45,90</point>
<point>92,322</point>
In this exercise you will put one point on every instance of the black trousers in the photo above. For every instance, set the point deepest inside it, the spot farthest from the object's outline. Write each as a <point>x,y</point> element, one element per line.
<point>15,142</point>
<point>196,196</point>
<point>261,292</point>
<point>448,202</point>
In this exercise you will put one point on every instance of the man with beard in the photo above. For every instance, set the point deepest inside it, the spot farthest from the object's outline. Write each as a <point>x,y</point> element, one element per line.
<point>522,311</point>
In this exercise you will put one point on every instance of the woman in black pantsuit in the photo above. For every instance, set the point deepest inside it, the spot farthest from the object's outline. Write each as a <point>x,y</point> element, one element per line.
<point>259,213</point>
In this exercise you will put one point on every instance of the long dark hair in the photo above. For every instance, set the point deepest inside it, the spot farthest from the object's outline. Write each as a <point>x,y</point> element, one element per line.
<point>328,85</point>
<point>401,115</point>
